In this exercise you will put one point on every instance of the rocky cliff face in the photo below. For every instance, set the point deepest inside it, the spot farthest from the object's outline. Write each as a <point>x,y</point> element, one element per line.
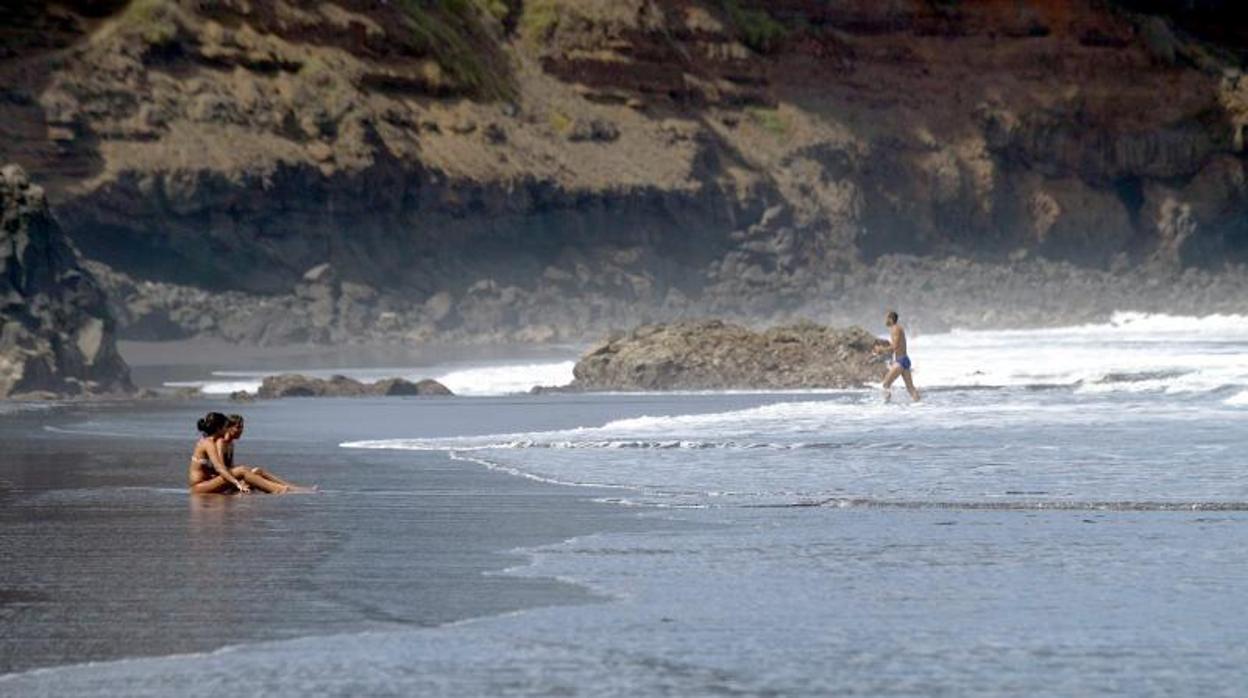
<point>567,165</point>
<point>56,336</point>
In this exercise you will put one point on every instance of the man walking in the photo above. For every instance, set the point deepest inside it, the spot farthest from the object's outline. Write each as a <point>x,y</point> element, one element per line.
<point>900,365</point>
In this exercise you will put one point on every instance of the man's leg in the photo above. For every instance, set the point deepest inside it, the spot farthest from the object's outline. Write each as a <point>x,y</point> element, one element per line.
<point>889,377</point>
<point>914,392</point>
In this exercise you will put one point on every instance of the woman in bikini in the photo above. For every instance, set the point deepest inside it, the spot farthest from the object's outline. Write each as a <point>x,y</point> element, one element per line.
<point>234,432</point>
<point>209,473</point>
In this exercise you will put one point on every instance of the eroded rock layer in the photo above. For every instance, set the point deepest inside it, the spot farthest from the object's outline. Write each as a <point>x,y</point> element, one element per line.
<point>56,334</point>
<point>465,168</point>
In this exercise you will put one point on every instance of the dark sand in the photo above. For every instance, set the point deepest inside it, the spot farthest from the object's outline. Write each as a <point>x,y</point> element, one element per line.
<point>105,555</point>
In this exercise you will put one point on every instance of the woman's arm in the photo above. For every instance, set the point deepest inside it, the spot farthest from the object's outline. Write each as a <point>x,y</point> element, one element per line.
<point>218,464</point>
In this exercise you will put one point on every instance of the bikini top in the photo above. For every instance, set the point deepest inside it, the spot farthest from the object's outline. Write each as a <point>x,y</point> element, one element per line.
<point>200,461</point>
<point>207,463</point>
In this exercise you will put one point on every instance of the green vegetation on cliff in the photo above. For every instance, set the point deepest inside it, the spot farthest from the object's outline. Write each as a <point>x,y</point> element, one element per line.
<point>755,25</point>
<point>456,34</point>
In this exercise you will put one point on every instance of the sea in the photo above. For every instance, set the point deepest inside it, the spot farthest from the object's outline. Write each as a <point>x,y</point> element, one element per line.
<point>1065,512</point>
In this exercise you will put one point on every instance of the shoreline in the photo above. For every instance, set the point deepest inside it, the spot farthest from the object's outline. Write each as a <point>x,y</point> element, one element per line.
<point>64,489</point>
<point>893,595</point>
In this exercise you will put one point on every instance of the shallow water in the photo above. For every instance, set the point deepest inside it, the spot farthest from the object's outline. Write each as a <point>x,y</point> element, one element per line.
<point>1065,514</point>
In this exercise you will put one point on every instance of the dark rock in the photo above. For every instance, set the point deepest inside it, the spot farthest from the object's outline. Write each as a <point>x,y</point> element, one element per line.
<point>35,396</point>
<point>714,355</point>
<point>291,385</point>
<point>494,134</point>
<point>242,396</point>
<point>296,385</point>
<point>555,390</point>
<point>400,386</point>
<point>597,130</point>
<point>57,331</point>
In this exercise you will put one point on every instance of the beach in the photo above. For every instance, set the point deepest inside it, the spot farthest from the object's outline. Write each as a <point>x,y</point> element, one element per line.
<point>1058,520</point>
<point>107,557</point>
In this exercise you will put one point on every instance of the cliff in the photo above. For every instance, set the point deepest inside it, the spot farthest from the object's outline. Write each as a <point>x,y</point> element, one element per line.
<point>57,337</point>
<point>545,169</point>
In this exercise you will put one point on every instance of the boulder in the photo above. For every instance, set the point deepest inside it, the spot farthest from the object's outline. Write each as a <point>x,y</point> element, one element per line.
<point>56,329</point>
<point>714,355</point>
<point>296,385</point>
<point>400,386</point>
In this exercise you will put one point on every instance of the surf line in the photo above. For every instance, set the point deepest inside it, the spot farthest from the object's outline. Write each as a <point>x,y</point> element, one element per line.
<point>511,470</point>
<point>1006,505</point>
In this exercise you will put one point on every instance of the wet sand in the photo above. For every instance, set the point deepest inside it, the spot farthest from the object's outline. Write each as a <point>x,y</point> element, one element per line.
<point>106,556</point>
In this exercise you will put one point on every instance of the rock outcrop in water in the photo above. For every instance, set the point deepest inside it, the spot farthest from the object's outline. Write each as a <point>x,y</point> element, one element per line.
<point>543,171</point>
<point>714,355</point>
<point>56,334</point>
<point>295,385</point>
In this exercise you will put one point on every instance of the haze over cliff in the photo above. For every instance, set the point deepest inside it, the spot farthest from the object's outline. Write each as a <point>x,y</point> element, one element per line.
<point>546,169</point>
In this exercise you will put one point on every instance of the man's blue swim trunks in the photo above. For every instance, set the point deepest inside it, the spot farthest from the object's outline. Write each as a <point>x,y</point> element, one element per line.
<point>902,361</point>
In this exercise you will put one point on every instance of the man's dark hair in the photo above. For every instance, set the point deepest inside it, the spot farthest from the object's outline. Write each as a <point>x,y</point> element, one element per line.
<point>892,316</point>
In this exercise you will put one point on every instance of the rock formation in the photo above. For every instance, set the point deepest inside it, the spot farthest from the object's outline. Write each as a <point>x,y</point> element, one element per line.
<point>713,355</point>
<point>295,385</point>
<point>56,335</point>
<point>536,171</point>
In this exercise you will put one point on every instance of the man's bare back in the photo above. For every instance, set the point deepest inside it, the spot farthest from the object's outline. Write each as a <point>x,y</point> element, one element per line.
<point>898,343</point>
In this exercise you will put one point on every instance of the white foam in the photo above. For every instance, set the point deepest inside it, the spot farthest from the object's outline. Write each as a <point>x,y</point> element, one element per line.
<point>506,379</point>
<point>1120,380</point>
<point>217,387</point>
<point>1133,352</point>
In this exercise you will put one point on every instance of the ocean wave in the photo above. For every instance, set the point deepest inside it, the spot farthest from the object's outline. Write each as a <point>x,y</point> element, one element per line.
<point>208,387</point>
<point>8,407</point>
<point>1015,505</point>
<point>781,426</point>
<point>1132,322</point>
<point>1132,353</point>
<point>609,445</point>
<point>506,379</point>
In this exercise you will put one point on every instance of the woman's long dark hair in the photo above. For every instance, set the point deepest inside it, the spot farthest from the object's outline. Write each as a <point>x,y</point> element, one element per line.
<point>211,423</point>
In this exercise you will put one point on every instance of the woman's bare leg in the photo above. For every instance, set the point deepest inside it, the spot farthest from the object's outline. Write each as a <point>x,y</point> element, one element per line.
<point>293,487</point>
<point>274,478</point>
<point>215,485</point>
<point>259,481</point>
<point>267,475</point>
<point>270,476</point>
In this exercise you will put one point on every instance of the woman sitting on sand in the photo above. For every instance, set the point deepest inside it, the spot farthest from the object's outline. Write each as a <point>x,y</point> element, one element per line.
<point>209,473</point>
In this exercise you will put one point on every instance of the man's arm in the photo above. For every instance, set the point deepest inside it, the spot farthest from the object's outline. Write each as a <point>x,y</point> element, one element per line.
<point>218,464</point>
